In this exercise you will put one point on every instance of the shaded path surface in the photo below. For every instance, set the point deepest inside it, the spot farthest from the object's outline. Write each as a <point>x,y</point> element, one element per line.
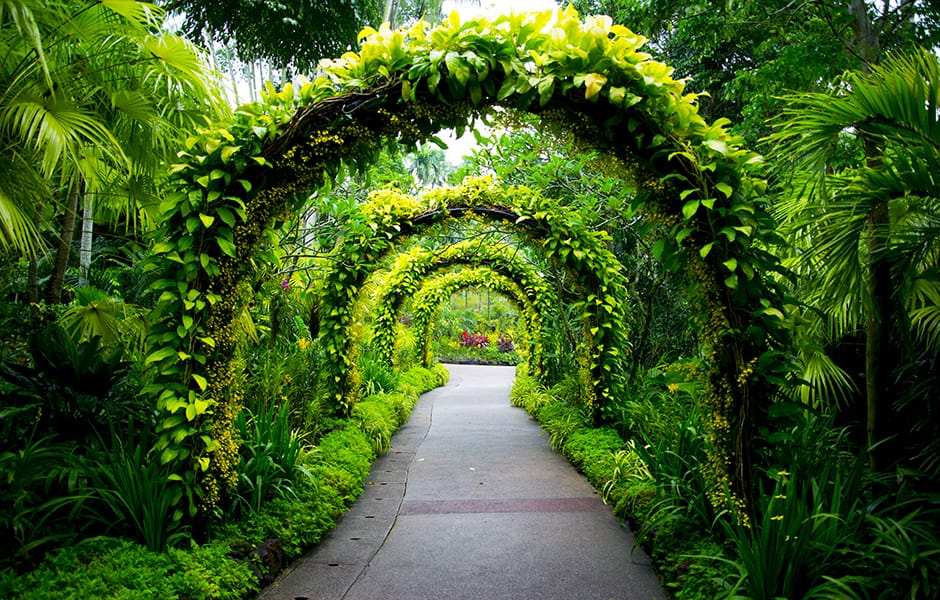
<point>472,503</point>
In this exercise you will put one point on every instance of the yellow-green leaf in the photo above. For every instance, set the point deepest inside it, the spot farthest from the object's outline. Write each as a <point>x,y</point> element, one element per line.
<point>200,381</point>
<point>593,82</point>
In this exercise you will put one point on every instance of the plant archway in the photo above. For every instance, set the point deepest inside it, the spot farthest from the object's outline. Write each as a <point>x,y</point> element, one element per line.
<point>550,228</point>
<point>410,270</point>
<point>236,179</point>
<point>438,289</point>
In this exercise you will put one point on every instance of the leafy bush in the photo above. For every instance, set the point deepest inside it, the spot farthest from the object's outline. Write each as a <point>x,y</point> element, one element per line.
<point>286,373</point>
<point>34,503</point>
<point>109,568</point>
<point>789,542</point>
<point>375,375</point>
<point>378,419</point>
<point>271,456</point>
<point>129,491</point>
<point>407,349</point>
<point>594,452</point>
<point>72,390</point>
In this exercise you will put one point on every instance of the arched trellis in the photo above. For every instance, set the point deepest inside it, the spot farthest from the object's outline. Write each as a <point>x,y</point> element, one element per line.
<point>542,222</point>
<point>236,179</point>
<point>407,274</point>
<point>440,288</point>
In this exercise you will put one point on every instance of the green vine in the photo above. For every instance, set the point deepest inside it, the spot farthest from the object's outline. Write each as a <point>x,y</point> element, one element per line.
<point>410,270</point>
<point>543,222</point>
<point>236,179</point>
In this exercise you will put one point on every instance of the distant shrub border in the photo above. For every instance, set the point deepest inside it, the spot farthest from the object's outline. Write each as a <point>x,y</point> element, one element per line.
<point>248,553</point>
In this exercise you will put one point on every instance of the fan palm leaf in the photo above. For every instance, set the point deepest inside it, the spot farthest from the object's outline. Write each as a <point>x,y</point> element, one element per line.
<point>889,122</point>
<point>77,77</point>
<point>18,181</point>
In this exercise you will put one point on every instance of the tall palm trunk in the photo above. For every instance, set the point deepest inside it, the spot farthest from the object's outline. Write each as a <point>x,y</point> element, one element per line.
<point>878,347</point>
<point>67,232</point>
<point>88,225</point>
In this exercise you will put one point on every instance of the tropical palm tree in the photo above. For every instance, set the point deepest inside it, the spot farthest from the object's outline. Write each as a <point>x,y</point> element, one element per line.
<point>428,165</point>
<point>93,97</point>
<point>864,217</point>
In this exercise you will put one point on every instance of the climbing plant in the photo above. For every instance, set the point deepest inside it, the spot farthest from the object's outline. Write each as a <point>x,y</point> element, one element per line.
<point>410,270</point>
<point>549,227</point>
<point>438,289</point>
<point>235,180</point>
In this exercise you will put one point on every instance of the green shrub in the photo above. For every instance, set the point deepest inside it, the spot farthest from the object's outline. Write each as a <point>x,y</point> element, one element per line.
<point>443,375</point>
<point>419,380</point>
<point>271,456</point>
<point>377,377</point>
<point>129,491</point>
<point>594,451</point>
<point>110,568</point>
<point>34,502</point>
<point>527,394</point>
<point>793,535</point>
<point>407,350</point>
<point>323,484</point>
<point>348,449</point>
<point>378,420</point>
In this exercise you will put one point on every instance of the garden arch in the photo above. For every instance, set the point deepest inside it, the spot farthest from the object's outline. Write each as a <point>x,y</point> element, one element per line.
<point>409,272</point>
<point>549,227</point>
<point>236,179</point>
<point>438,289</point>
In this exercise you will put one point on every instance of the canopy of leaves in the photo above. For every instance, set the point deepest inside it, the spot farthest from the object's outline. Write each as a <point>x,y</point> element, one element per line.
<point>746,54</point>
<point>285,33</point>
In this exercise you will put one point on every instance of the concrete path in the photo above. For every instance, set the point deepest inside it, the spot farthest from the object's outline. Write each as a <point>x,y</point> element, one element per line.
<point>472,503</point>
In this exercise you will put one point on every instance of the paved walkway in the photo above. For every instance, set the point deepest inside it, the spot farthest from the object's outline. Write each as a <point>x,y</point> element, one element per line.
<point>471,503</point>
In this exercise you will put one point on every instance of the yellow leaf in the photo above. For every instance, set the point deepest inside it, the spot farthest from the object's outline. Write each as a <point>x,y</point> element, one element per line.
<point>593,82</point>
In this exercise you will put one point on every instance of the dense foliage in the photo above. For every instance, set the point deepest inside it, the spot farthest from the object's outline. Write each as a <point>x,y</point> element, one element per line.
<point>729,360</point>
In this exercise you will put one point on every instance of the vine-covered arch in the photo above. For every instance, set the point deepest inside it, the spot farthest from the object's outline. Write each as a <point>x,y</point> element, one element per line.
<point>408,273</point>
<point>235,179</point>
<point>439,289</point>
<point>548,227</point>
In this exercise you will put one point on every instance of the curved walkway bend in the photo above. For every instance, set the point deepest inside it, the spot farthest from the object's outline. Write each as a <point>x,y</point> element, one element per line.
<point>472,503</point>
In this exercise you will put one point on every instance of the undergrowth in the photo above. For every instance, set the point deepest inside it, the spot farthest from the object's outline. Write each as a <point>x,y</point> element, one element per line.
<point>243,554</point>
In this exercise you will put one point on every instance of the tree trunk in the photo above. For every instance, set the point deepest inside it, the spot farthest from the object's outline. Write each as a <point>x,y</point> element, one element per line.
<point>390,14</point>
<point>867,43</point>
<point>67,232</point>
<point>878,347</point>
<point>88,225</point>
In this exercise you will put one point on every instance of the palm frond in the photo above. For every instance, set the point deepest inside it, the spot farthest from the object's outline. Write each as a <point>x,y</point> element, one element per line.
<point>145,14</point>
<point>96,314</point>
<point>59,129</point>
<point>28,18</point>
<point>925,311</point>
<point>826,381</point>
<point>20,193</point>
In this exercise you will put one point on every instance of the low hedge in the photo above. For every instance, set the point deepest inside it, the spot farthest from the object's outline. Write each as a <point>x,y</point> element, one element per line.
<point>599,453</point>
